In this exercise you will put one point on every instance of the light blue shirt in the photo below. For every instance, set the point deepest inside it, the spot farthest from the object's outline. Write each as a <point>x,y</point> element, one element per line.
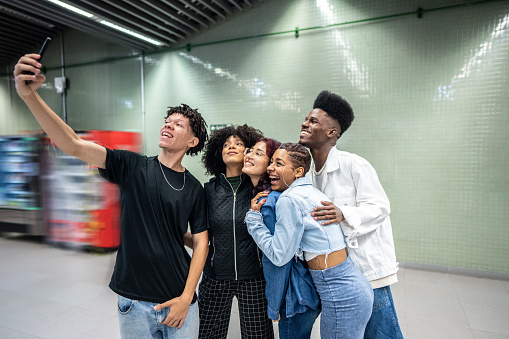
<point>296,231</point>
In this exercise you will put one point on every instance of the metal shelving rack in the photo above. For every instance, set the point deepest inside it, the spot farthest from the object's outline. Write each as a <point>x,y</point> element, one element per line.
<point>20,192</point>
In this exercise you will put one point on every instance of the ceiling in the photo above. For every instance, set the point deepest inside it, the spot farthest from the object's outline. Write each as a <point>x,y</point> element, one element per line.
<point>24,24</point>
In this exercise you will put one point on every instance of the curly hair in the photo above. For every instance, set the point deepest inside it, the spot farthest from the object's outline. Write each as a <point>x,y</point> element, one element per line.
<point>197,123</point>
<point>271,146</point>
<point>212,157</point>
<point>298,155</point>
<point>336,107</point>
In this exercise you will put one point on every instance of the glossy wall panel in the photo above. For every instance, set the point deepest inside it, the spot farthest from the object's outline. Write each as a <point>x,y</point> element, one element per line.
<point>15,117</point>
<point>430,97</point>
<point>102,95</point>
<point>104,89</point>
<point>5,103</point>
<point>429,94</point>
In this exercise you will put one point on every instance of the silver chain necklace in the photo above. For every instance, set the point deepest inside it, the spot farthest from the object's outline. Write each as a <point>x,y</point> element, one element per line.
<point>176,189</point>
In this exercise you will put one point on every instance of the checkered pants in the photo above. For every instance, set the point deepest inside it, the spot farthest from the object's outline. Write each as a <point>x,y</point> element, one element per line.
<point>215,299</point>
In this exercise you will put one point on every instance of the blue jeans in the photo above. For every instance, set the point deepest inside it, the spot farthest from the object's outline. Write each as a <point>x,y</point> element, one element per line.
<point>384,321</point>
<point>347,301</point>
<point>138,319</point>
<point>297,327</point>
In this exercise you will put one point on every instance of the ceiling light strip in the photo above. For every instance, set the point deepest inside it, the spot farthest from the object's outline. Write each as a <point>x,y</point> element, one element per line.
<point>106,23</point>
<point>127,31</point>
<point>72,8</point>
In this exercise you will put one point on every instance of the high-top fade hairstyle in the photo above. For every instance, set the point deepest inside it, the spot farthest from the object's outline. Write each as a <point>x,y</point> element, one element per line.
<point>298,154</point>
<point>212,157</point>
<point>336,107</point>
<point>197,124</point>
<point>271,146</point>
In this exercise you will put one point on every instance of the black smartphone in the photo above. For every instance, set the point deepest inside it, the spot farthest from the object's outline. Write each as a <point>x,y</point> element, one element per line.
<point>41,53</point>
<point>44,47</point>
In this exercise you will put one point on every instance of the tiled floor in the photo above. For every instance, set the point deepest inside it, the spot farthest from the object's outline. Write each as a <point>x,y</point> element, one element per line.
<point>48,292</point>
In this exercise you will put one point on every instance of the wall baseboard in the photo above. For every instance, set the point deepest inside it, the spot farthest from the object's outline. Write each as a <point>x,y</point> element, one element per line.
<point>455,270</point>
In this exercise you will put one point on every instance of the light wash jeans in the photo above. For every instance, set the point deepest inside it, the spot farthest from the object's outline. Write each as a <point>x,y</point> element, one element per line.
<point>384,321</point>
<point>347,301</point>
<point>138,319</point>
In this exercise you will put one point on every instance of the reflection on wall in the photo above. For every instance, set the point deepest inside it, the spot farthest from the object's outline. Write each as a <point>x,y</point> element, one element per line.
<point>255,88</point>
<point>475,61</point>
<point>353,70</point>
<point>429,94</point>
<point>420,120</point>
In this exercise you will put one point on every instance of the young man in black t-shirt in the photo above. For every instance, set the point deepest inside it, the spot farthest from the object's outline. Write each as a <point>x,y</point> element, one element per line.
<point>154,277</point>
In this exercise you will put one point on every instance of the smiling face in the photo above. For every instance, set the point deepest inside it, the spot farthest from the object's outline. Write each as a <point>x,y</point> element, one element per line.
<point>176,134</point>
<point>318,129</point>
<point>233,151</point>
<point>256,161</point>
<point>281,171</point>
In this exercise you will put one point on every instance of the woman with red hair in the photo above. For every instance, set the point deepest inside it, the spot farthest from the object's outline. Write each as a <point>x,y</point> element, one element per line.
<point>290,293</point>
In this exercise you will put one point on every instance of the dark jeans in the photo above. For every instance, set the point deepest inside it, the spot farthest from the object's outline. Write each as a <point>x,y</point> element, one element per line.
<point>297,327</point>
<point>383,323</point>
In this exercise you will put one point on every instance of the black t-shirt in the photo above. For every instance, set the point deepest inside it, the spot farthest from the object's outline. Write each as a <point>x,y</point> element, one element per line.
<point>152,264</point>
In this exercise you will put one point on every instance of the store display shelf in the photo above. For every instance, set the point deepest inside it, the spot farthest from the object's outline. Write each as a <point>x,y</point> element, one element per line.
<point>20,198</point>
<point>19,208</point>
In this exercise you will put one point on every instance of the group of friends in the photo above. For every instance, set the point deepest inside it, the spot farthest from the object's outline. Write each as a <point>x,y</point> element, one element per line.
<point>292,230</point>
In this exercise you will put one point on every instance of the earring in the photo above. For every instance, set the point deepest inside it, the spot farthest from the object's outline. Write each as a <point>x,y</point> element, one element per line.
<point>295,177</point>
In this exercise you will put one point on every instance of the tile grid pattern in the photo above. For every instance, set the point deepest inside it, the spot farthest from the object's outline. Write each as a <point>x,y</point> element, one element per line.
<point>48,292</point>
<point>429,103</point>
<point>430,97</point>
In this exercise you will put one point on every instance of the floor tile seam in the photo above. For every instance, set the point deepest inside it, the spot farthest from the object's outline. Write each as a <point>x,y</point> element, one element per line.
<point>472,282</point>
<point>21,332</point>
<point>473,327</point>
<point>485,290</point>
<point>466,317</point>
<point>505,333</point>
<point>47,320</point>
<point>92,331</point>
<point>432,289</point>
<point>96,324</point>
<point>489,332</point>
<point>503,307</point>
<point>429,301</point>
<point>506,308</point>
<point>453,324</point>
<point>457,294</point>
<point>96,312</point>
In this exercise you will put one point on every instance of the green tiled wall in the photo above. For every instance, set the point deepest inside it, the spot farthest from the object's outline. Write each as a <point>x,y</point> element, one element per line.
<point>430,97</point>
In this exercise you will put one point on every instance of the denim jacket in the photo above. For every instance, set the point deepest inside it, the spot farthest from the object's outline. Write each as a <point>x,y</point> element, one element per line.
<point>296,231</point>
<point>291,281</point>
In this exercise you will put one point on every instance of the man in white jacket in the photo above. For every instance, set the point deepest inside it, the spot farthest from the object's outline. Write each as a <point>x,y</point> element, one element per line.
<point>359,204</point>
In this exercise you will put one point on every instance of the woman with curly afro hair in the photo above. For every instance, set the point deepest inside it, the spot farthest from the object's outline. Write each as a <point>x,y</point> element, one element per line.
<point>233,266</point>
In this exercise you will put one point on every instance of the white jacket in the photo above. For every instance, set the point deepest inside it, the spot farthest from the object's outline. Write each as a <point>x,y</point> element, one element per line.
<point>352,184</point>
